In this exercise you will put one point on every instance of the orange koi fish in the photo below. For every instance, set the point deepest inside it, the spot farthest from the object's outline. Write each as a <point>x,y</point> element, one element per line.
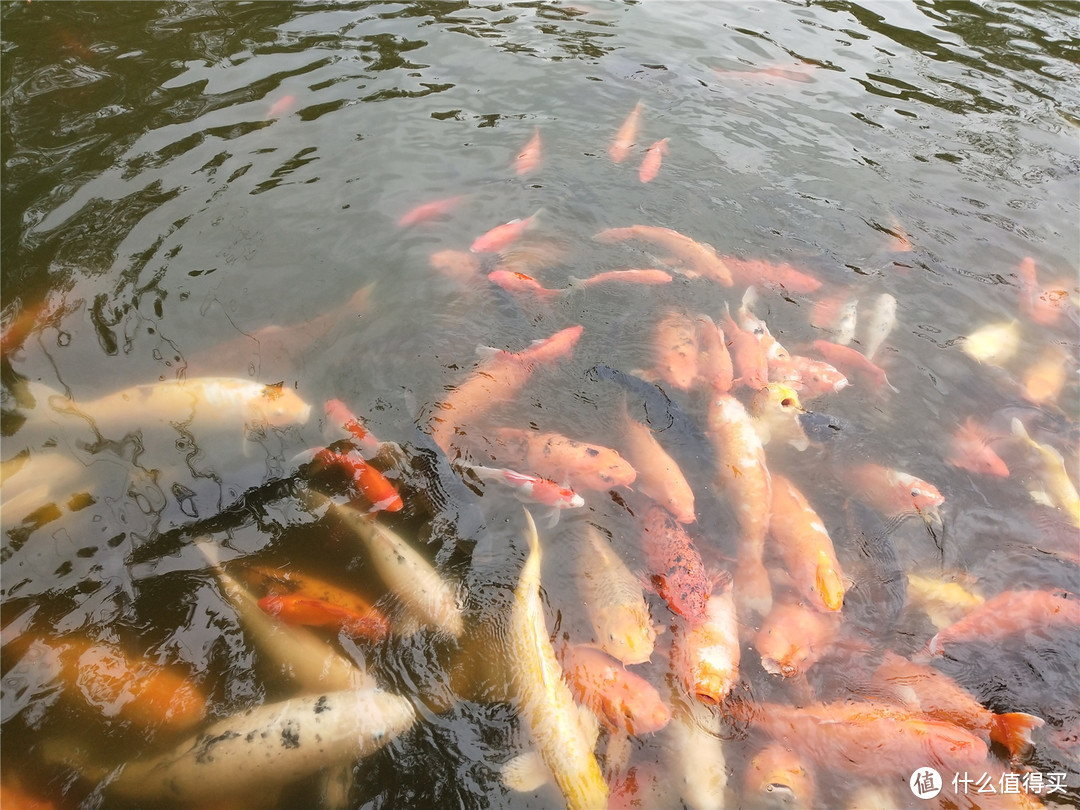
<point>310,611</point>
<point>288,582</point>
<point>626,137</point>
<point>747,355</point>
<point>714,359</point>
<point>813,378</point>
<point>1045,378</point>
<point>1043,306</point>
<point>675,565</point>
<point>368,481</point>
<point>1009,613</point>
<point>28,319</point>
<point>675,349</point>
<point>697,258</point>
<point>801,541</point>
<point>925,690</point>
<point>503,235</point>
<point>863,738</point>
<point>618,697</point>
<point>430,210</point>
<point>456,264</point>
<point>778,777</point>
<point>969,450</point>
<point>497,380</point>
<point>528,158</point>
<point>614,600</point>
<point>890,491</point>
<point>855,363</point>
<point>659,476</point>
<point>705,657</point>
<point>338,414</point>
<point>783,275</point>
<point>650,165</point>
<point>558,457</point>
<point>793,638</point>
<point>743,476</point>
<point>106,679</point>
<point>519,282</point>
<point>635,276</point>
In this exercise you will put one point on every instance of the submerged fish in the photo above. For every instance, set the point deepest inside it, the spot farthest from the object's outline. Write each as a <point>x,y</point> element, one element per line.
<point>621,699</point>
<point>430,210</point>
<point>705,656</point>
<point>793,638</point>
<point>675,566</point>
<point>554,456</point>
<point>659,476</point>
<point>503,235</point>
<point>650,165</point>
<point>528,159</point>
<point>803,544</point>
<point>696,257</point>
<point>626,137</point>
<point>675,349</point>
<point>969,450</point>
<point>778,779</point>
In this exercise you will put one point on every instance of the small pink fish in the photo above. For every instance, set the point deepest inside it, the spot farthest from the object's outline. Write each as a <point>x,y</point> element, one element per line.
<point>636,276</point>
<point>431,210</point>
<point>969,450</point>
<point>855,363</point>
<point>532,487</point>
<point>650,165</point>
<point>502,235</point>
<point>519,282</point>
<point>756,271</point>
<point>282,106</point>
<point>626,137</point>
<point>457,264</point>
<point>528,158</point>
<point>812,378</point>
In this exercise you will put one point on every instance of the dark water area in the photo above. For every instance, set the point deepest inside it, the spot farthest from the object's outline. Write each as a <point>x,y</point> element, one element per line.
<point>200,200</point>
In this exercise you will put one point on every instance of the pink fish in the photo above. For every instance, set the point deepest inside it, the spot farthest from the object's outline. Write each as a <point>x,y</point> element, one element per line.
<point>620,698</point>
<point>853,362</point>
<point>282,106</point>
<point>519,282</point>
<point>528,158</point>
<point>705,657</point>
<point>890,491</point>
<point>650,165</point>
<point>532,487</point>
<point>812,378</point>
<point>969,450</point>
<point>457,264</point>
<point>1010,613</point>
<point>502,235</point>
<point>675,565</point>
<point>431,210</point>
<point>635,276</point>
<point>626,137</point>
<point>747,355</point>
<point>714,359</point>
<point>756,271</point>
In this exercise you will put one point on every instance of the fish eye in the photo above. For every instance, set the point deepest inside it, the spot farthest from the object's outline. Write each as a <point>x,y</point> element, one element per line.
<point>915,493</point>
<point>787,402</point>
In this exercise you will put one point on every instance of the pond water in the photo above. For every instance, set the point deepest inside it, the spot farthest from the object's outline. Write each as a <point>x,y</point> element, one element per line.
<point>217,190</point>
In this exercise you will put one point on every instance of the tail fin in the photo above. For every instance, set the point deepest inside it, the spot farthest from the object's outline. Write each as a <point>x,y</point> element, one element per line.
<point>1013,730</point>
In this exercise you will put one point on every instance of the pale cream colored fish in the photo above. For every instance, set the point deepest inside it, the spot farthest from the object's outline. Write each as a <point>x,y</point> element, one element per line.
<point>881,323</point>
<point>274,744</point>
<point>944,601</point>
<point>307,660</point>
<point>33,481</point>
<point>1045,378</point>
<point>215,400</point>
<point>994,343</point>
<point>614,600</point>
<point>776,409</point>
<point>844,331</point>
<point>564,733</point>
<point>1053,486</point>
<point>696,756</point>
<point>414,581</point>
<point>658,474</point>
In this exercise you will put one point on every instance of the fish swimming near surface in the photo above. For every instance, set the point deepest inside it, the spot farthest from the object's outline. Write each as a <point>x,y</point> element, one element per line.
<point>374,489</point>
<point>502,236</point>
<point>675,349</point>
<point>312,611</point>
<point>879,325</point>
<point>514,283</point>
<point>892,492</point>
<point>714,360</point>
<point>659,476</point>
<point>654,156</point>
<point>969,449</point>
<point>1051,484</point>
<point>675,566</point>
<point>430,210</point>
<point>696,258</point>
<point>621,699</point>
<point>778,779</point>
<point>558,726</point>
<point>852,361</point>
<point>626,137</point>
<point>705,656</point>
<point>794,637</point>
<point>644,275</point>
<point>528,159</point>
<point>583,465</point>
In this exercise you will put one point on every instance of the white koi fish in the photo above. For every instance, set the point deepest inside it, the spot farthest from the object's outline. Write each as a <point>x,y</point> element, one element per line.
<point>881,323</point>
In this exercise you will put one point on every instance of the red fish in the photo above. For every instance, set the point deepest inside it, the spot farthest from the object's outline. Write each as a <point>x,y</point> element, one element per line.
<point>620,698</point>
<point>675,565</point>
<point>805,547</point>
<point>497,380</point>
<point>650,165</point>
<point>456,264</point>
<point>519,282</point>
<point>532,487</point>
<point>705,657</point>
<point>634,276</point>
<point>528,158</point>
<point>626,137</point>
<point>368,481</point>
<point>756,271</point>
<point>338,414</point>
<point>855,363</point>
<point>747,355</point>
<point>503,235</point>
<point>431,210</point>
<point>1009,613</point>
<point>969,450</point>
<point>923,689</point>
<point>298,609</point>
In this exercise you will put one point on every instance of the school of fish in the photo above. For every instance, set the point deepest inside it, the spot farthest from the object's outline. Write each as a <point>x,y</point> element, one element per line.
<point>712,538</point>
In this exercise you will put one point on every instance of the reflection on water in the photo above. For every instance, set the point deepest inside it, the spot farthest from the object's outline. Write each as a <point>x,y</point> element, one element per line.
<point>218,216</point>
